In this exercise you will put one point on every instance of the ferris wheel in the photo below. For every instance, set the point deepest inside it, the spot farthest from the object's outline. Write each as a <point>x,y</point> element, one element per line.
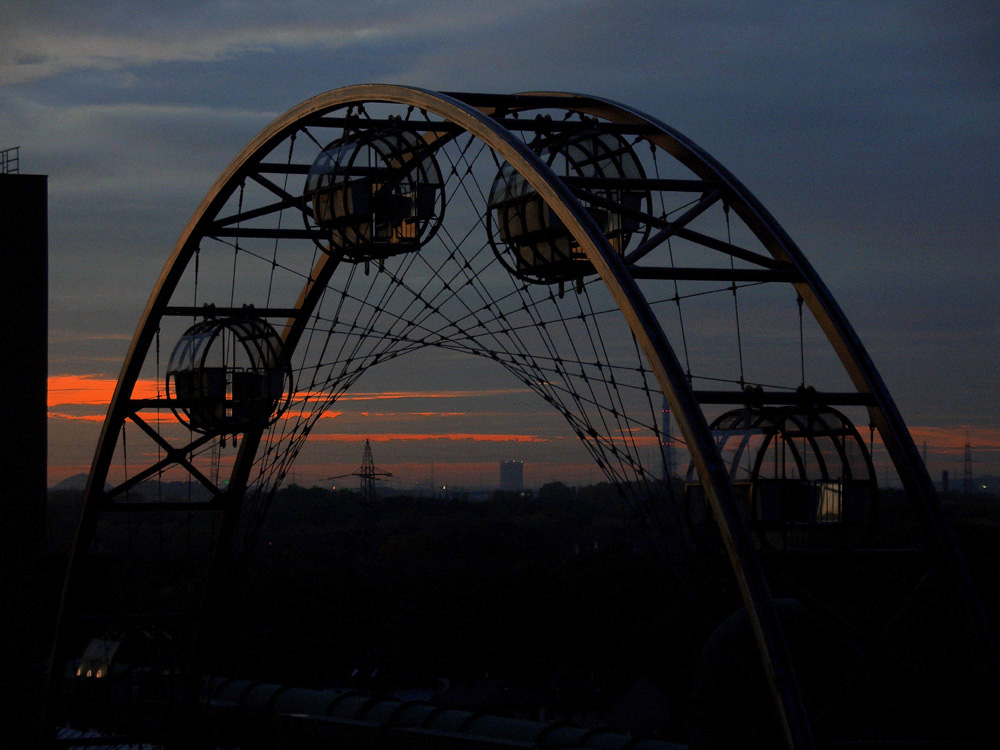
<point>581,249</point>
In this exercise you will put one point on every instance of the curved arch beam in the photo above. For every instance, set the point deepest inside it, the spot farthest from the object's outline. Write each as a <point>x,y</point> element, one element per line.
<point>612,270</point>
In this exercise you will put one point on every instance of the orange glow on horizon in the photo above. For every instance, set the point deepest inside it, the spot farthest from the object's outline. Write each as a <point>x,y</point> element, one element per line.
<point>952,439</point>
<point>397,395</point>
<point>78,404</point>
<point>92,390</point>
<point>95,390</point>
<point>327,414</point>
<point>387,436</point>
<point>394,395</point>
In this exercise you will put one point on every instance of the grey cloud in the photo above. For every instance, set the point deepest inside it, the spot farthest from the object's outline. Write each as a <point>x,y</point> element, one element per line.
<point>74,37</point>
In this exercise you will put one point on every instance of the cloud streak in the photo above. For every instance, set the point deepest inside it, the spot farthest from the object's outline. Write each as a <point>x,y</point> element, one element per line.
<point>40,44</point>
<point>384,437</point>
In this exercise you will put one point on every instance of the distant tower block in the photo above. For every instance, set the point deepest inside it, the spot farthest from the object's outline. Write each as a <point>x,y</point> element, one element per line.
<point>511,476</point>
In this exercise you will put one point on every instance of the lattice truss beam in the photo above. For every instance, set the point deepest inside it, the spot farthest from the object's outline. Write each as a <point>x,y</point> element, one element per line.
<point>585,255</point>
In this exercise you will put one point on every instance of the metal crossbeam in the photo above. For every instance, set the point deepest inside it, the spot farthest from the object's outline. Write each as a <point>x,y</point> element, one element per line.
<point>788,275</point>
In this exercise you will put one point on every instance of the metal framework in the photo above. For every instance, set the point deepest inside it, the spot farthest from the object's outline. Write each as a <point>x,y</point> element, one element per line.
<point>574,242</point>
<point>10,160</point>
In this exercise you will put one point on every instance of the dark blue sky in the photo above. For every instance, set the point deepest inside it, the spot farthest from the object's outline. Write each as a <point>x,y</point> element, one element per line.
<point>868,129</point>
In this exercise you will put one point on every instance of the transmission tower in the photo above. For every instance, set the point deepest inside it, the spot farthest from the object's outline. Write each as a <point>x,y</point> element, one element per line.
<point>367,474</point>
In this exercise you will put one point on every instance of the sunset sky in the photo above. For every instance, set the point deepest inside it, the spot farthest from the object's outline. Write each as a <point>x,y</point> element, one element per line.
<point>869,130</point>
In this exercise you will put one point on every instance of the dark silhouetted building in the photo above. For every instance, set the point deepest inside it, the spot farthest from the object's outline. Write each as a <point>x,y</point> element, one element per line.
<point>23,376</point>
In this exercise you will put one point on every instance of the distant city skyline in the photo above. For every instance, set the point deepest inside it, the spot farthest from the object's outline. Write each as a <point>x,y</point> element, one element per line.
<point>866,130</point>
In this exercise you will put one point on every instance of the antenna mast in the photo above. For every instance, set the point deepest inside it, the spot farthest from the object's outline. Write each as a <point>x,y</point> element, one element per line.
<point>666,448</point>
<point>968,465</point>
